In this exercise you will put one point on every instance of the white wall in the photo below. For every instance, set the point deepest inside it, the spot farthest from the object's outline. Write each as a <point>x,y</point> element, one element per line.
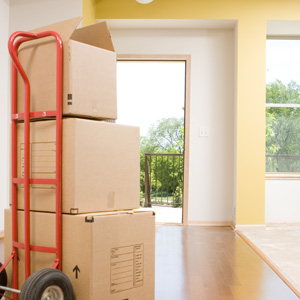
<point>212,104</point>
<point>282,201</point>
<point>30,14</point>
<point>4,112</point>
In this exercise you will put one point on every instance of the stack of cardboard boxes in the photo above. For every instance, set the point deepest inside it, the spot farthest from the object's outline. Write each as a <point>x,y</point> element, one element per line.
<point>108,248</point>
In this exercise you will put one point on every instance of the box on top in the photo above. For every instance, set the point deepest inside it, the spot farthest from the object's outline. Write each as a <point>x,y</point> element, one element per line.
<point>89,71</point>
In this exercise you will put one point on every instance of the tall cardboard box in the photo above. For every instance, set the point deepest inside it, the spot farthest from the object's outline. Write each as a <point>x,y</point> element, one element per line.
<point>100,166</point>
<point>89,71</point>
<point>108,256</point>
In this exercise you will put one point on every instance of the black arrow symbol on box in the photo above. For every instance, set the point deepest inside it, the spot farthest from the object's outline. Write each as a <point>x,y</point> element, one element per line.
<point>76,270</point>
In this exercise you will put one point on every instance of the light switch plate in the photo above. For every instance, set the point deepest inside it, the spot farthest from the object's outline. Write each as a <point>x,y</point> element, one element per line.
<point>204,131</point>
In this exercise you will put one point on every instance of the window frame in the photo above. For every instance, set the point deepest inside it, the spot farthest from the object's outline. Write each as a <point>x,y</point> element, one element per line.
<point>282,175</point>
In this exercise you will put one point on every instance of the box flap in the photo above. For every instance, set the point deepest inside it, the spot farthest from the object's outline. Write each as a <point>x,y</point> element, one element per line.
<point>64,28</point>
<point>96,35</point>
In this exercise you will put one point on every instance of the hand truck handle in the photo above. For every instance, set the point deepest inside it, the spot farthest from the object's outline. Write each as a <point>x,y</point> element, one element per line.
<point>15,40</point>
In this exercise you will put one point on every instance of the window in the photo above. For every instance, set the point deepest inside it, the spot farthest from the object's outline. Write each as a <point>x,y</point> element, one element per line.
<point>283,106</point>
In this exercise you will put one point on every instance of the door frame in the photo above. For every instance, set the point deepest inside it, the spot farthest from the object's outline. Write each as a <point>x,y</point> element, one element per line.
<point>187,60</point>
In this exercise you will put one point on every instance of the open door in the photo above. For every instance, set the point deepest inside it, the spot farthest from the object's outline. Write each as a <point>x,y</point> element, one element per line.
<point>153,94</point>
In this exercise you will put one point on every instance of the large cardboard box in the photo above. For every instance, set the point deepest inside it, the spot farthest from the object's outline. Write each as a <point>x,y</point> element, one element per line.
<point>89,71</point>
<point>100,166</point>
<point>108,256</point>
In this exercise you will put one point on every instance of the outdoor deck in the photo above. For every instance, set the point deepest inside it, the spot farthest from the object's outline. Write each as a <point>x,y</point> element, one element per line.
<point>166,214</point>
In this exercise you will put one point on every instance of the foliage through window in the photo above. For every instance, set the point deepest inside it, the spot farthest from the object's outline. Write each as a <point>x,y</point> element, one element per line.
<point>283,106</point>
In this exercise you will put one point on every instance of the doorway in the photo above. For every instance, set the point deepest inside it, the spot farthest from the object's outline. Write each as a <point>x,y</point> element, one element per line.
<point>153,94</point>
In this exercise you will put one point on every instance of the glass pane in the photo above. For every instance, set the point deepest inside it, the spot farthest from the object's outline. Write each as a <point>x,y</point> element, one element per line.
<point>283,66</point>
<point>279,93</point>
<point>282,139</point>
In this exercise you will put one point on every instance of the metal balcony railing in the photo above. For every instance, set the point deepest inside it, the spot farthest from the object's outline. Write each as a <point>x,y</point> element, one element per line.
<point>163,179</point>
<point>282,163</point>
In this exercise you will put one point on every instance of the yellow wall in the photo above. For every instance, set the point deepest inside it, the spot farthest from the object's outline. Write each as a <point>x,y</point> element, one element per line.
<point>250,188</point>
<point>198,9</point>
<point>252,16</point>
<point>88,12</point>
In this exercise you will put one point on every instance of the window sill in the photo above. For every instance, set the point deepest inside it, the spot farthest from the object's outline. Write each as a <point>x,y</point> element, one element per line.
<point>282,176</point>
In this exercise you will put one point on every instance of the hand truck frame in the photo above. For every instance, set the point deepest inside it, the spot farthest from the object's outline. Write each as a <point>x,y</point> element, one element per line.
<point>29,288</point>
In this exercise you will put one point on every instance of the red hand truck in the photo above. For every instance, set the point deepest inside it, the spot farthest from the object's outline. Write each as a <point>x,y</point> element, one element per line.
<point>50,283</point>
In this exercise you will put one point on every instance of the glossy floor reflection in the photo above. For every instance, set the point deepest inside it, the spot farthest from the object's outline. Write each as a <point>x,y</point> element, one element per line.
<point>280,246</point>
<point>212,263</point>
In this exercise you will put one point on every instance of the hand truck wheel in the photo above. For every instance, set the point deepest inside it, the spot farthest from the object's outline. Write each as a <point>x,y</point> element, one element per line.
<point>47,284</point>
<point>3,280</point>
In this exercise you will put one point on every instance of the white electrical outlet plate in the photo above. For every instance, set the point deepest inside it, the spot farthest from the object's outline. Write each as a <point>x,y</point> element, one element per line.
<point>204,131</point>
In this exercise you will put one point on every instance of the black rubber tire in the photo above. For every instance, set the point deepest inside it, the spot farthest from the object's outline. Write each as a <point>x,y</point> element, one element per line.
<point>32,282</point>
<point>3,280</point>
<point>40,281</point>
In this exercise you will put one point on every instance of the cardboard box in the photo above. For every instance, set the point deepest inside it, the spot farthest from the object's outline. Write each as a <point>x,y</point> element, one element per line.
<point>109,256</point>
<point>100,166</point>
<point>89,71</point>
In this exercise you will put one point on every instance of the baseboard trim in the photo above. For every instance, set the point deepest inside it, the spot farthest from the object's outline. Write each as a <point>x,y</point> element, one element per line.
<point>269,263</point>
<point>282,223</point>
<point>210,223</point>
<point>168,224</point>
<point>241,227</point>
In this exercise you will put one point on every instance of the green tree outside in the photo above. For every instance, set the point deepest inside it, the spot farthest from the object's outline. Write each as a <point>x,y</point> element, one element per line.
<point>283,127</point>
<point>166,173</point>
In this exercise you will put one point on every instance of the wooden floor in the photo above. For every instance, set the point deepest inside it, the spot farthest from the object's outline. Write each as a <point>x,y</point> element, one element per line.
<point>212,263</point>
